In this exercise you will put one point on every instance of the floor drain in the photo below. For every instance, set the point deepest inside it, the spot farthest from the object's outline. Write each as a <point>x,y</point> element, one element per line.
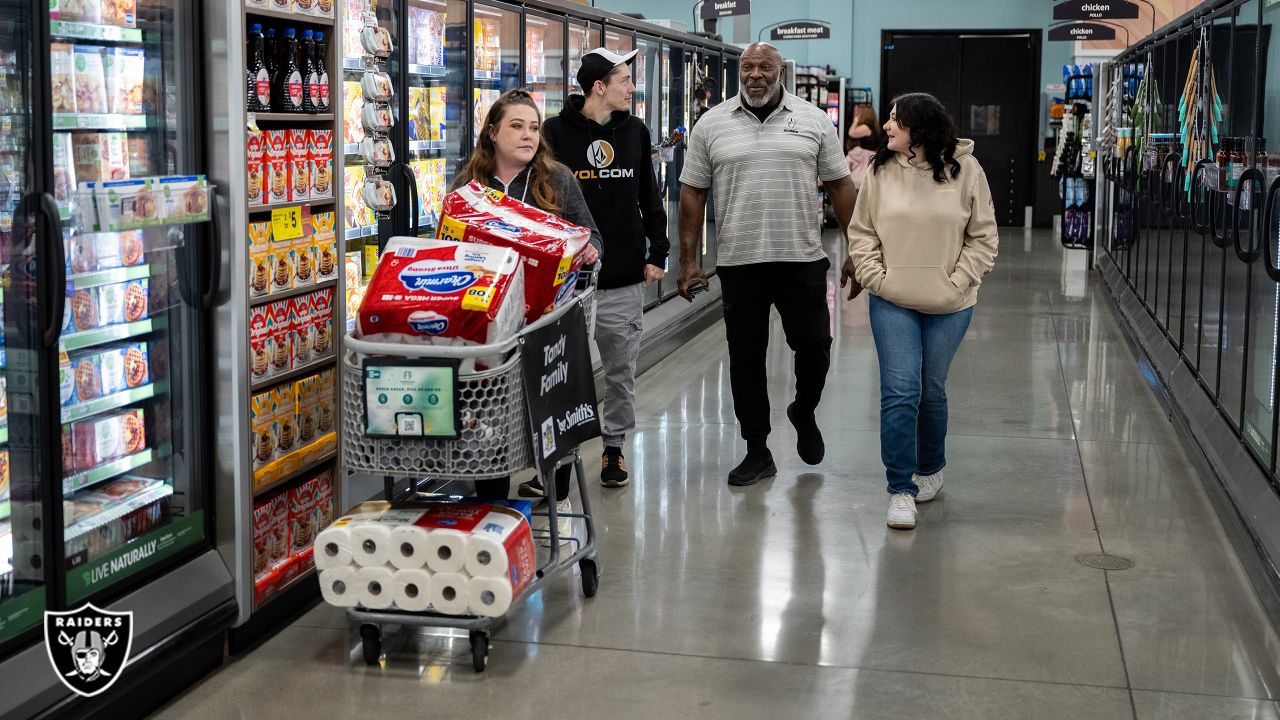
<point>1104,562</point>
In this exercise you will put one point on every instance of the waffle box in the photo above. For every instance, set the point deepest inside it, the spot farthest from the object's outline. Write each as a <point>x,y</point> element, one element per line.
<point>261,441</point>
<point>325,238</point>
<point>277,161</point>
<point>299,141</point>
<point>262,539</point>
<point>256,168</point>
<point>320,157</point>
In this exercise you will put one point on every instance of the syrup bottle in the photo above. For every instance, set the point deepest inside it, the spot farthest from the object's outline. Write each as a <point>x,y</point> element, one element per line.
<point>290,79</point>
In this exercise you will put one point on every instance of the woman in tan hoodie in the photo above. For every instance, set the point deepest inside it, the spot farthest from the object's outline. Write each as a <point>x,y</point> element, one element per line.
<point>923,236</point>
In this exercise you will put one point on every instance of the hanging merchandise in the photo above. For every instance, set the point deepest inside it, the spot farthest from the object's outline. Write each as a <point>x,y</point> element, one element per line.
<point>1200,110</point>
<point>378,193</point>
<point>1146,114</point>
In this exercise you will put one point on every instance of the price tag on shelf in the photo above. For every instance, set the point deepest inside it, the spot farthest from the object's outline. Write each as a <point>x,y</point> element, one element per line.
<point>286,223</point>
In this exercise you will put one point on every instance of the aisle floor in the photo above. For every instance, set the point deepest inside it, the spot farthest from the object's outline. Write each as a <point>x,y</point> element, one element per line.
<point>791,599</point>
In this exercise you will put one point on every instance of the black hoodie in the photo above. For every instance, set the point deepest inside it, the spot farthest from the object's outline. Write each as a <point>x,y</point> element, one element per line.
<point>614,167</point>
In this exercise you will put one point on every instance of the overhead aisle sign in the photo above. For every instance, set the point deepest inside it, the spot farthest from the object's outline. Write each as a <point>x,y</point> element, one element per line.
<point>712,9</point>
<point>1096,10</point>
<point>801,30</point>
<point>1082,31</point>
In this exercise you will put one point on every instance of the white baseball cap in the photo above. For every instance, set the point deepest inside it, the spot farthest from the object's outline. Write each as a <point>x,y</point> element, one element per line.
<point>598,63</point>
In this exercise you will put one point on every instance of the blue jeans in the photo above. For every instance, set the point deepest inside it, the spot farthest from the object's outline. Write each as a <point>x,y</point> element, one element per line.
<point>915,352</point>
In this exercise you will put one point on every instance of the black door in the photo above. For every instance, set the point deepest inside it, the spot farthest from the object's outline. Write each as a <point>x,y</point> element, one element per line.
<point>988,84</point>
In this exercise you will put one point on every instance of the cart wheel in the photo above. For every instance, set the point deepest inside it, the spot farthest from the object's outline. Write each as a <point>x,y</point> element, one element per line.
<point>479,650</point>
<point>371,643</point>
<point>590,577</point>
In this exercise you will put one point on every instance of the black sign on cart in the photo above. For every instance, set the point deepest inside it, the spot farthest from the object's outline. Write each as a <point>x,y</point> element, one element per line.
<point>559,388</point>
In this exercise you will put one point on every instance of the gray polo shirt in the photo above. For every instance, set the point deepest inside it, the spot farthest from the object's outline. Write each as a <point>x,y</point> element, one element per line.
<point>764,178</point>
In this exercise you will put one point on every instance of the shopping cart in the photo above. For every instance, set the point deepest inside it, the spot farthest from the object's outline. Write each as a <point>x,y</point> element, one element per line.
<point>496,441</point>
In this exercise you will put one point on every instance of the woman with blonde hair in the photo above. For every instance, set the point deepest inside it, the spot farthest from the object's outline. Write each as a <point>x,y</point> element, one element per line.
<point>923,236</point>
<point>510,156</point>
<point>861,143</point>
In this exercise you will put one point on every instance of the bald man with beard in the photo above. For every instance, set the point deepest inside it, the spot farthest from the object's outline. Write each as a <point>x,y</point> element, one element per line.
<point>763,154</point>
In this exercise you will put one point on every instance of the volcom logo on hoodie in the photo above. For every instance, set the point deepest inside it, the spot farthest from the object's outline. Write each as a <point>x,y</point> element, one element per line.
<point>600,155</point>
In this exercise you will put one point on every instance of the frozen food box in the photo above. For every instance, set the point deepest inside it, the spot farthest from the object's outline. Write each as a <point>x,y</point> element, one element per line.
<point>185,198</point>
<point>84,310</point>
<point>260,347</point>
<point>126,76</point>
<point>353,187</point>
<point>419,114</point>
<point>326,243</point>
<point>353,104</point>
<point>256,168</point>
<point>64,172</point>
<point>118,249</point>
<point>100,157</point>
<point>123,13</point>
<point>108,437</point>
<point>437,97</point>
<point>261,261</point>
<point>91,80</point>
<point>262,538</point>
<point>297,140</point>
<point>128,204</point>
<point>62,68</point>
<point>125,302</point>
<point>139,156</point>
<point>89,11</point>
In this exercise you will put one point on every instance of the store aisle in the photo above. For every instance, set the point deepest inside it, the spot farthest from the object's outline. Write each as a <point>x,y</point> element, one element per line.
<point>791,599</point>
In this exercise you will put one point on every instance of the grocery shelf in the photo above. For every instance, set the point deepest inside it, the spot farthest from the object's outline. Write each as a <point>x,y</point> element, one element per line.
<point>292,117</point>
<point>117,511</point>
<point>290,203</point>
<point>426,144</point>
<point>106,471</point>
<point>89,338</point>
<point>350,63</point>
<point>61,29</point>
<point>351,148</point>
<point>531,79</point>
<point>301,472</point>
<point>294,374</point>
<point>98,121</point>
<point>487,75</point>
<point>308,19</point>
<point>293,292</point>
<point>113,401</point>
<point>110,277</point>
<point>306,574</point>
<point>434,71</point>
<point>363,231</point>
<point>4,510</point>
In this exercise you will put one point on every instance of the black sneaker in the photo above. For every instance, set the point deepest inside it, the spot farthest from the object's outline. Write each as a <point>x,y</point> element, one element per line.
<point>613,468</point>
<point>756,466</point>
<point>809,442</point>
<point>531,489</point>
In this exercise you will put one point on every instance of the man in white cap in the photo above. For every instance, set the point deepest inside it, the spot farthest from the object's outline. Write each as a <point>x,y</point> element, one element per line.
<point>609,151</point>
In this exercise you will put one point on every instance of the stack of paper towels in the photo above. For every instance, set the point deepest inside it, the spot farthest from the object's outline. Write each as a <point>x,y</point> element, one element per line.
<point>449,558</point>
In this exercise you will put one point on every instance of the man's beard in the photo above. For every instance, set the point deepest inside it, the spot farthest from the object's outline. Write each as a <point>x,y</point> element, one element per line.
<point>764,100</point>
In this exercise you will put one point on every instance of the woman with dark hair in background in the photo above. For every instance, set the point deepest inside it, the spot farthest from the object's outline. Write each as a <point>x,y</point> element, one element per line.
<point>923,236</point>
<point>861,143</point>
<point>511,157</point>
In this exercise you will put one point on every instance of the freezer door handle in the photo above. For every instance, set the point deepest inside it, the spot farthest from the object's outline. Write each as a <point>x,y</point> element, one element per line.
<point>213,254</point>
<point>412,191</point>
<point>57,254</point>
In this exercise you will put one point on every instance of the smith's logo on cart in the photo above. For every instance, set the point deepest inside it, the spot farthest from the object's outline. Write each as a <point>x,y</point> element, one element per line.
<point>601,155</point>
<point>430,277</point>
<point>572,419</point>
<point>88,647</point>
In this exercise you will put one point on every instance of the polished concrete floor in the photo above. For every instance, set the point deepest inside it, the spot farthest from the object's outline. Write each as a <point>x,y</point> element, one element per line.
<point>791,599</point>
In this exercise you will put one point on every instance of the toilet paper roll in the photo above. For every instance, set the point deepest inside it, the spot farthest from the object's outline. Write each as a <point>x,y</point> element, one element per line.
<point>376,585</point>
<point>410,547</point>
<point>446,551</point>
<point>411,590</point>
<point>340,587</point>
<point>371,544</point>
<point>450,593</point>
<point>489,596</point>
<point>486,557</point>
<point>333,548</point>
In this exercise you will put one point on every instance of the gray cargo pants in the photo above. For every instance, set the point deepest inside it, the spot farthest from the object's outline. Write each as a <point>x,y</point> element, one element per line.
<point>619,324</point>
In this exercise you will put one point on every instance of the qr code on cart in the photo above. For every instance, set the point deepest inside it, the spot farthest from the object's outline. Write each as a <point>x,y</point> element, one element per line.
<point>548,437</point>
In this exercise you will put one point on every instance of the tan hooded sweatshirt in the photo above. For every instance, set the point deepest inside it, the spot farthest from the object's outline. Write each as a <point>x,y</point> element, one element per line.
<point>921,244</point>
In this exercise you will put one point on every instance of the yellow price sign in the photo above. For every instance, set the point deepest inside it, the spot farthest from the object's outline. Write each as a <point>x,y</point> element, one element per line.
<point>286,223</point>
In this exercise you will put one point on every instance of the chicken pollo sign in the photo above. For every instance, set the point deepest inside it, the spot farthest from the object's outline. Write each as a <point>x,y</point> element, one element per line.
<point>88,648</point>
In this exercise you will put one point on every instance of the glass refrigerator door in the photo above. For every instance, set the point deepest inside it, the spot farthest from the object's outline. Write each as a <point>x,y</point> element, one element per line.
<point>619,42</point>
<point>23,548</point>
<point>495,46</point>
<point>676,66</point>
<point>544,62</point>
<point>130,351</point>
<point>427,124</point>
<point>583,37</point>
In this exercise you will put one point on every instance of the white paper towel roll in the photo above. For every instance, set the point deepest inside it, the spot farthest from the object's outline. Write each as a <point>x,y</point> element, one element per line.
<point>486,557</point>
<point>333,548</point>
<point>450,593</point>
<point>489,596</point>
<point>446,551</point>
<point>371,544</point>
<point>340,587</point>
<point>411,590</point>
<point>410,547</point>
<point>376,584</point>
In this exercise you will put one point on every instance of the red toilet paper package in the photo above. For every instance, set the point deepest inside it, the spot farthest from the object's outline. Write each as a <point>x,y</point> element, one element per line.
<point>442,293</point>
<point>550,247</point>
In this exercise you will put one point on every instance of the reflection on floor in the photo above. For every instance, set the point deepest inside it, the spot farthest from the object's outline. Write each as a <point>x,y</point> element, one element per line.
<point>792,600</point>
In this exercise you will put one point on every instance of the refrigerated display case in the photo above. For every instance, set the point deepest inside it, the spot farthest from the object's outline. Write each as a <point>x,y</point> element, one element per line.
<point>544,61</point>
<point>496,58</point>
<point>584,36</point>
<point>429,127</point>
<point>360,225</point>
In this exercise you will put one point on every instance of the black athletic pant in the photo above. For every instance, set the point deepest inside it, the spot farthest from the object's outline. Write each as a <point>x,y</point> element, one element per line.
<point>799,291</point>
<point>500,489</point>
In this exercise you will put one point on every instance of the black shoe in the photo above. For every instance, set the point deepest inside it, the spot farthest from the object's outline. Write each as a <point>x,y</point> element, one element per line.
<point>809,442</point>
<point>613,468</point>
<point>532,489</point>
<point>756,466</point>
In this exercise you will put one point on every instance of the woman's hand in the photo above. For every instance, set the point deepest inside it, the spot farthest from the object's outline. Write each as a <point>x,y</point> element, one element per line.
<point>590,254</point>
<point>846,277</point>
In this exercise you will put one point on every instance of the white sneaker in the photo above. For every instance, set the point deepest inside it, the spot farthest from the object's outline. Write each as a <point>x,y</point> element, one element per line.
<point>929,486</point>
<point>564,524</point>
<point>902,511</point>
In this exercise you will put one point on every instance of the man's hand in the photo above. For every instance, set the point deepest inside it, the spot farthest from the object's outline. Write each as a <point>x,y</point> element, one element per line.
<point>652,274</point>
<point>690,274</point>
<point>846,277</point>
<point>590,254</point>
